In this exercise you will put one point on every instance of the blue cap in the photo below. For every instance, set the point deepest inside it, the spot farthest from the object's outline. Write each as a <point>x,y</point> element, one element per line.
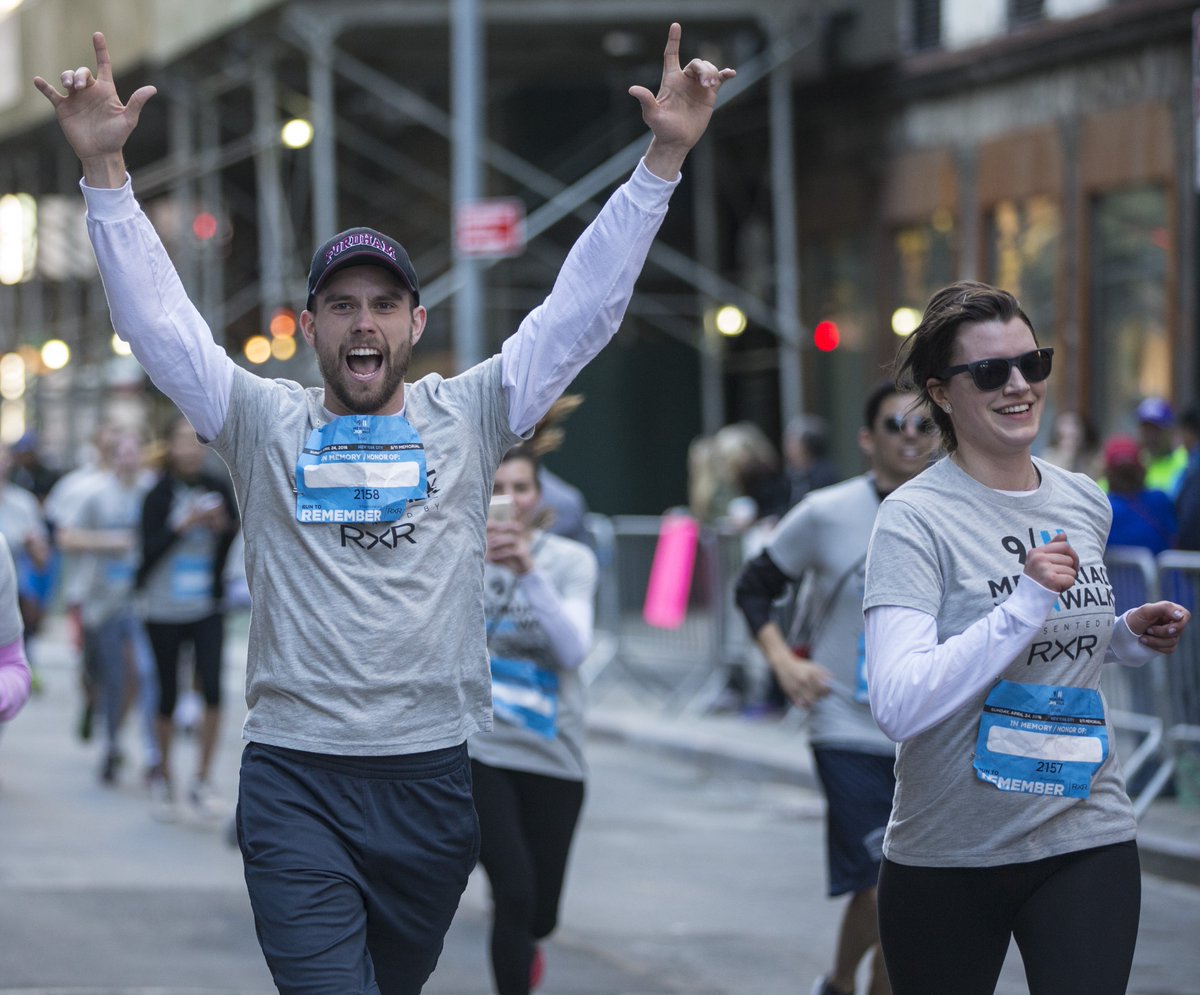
<point>1156,411</point>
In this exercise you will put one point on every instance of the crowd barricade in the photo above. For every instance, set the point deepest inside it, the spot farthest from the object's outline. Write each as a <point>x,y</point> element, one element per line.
<point>1179,581</point>
<point>1136,695</point>
<point>682,663</point>
<point>1158,704</point>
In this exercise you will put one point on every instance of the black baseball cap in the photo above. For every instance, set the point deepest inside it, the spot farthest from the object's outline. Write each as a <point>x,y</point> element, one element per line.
<point>360,247</point>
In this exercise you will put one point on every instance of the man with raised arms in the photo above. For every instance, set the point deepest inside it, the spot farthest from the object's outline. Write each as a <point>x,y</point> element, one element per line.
<point>367,666</point>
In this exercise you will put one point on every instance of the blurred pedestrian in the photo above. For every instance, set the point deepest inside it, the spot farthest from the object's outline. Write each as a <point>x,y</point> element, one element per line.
<point>359,708</point>
<point>60,509</point>
<point>1074,444</point>
<point>15,678</point>
<point>529,771</point>
<point>188,522</point>
<point>806,456</point>
<point>738,473</point>
<point>1164,457</point>
<point>988,617</point>
<point>1187,503</point>
<point>735,478</point>
<point>821,667</point>
<point>1141,516</point>
<point>28,469</point>
<point>106,531</point>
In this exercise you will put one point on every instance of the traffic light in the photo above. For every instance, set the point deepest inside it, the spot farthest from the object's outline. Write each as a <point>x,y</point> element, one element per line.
<point>826,336</point>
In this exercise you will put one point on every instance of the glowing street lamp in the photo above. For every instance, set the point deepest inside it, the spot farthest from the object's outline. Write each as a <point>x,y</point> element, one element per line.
<point>257,349</point>
<point>297,133</point>
<point>730,320</point>
<point>55,354</point>
<point>905,320</point>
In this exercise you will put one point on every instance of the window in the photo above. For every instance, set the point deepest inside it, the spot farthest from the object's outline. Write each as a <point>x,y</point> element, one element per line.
<point>1130,342</point>
<point>1023,257</point>
<point>924,259</point>
<point>1025,12</point>
<point>926,24</point>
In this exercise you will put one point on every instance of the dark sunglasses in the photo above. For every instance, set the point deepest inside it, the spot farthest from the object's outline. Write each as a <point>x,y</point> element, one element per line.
<point>895,425</point>
<point>992,374</point>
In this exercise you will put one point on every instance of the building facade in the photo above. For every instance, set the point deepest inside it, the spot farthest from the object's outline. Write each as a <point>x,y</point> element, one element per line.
<point>871,152</point>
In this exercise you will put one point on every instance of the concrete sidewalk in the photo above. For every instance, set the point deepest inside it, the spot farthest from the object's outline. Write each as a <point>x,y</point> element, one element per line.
<point>777,749</point>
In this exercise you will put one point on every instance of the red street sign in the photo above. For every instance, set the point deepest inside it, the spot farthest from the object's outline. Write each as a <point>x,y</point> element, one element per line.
<point>493,227</point>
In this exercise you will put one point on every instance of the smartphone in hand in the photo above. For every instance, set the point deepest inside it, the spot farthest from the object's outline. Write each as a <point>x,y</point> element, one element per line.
<point>501,508</point>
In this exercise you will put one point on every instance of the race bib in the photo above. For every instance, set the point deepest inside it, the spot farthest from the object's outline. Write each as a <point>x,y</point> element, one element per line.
<point>360,468</point>
<point>1040,739</point>
<point>191,577</point>
<point>525,695</point>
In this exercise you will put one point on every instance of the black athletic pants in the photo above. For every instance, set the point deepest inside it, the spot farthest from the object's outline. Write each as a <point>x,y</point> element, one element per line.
<point>526,822</point>
<point>946,930</point>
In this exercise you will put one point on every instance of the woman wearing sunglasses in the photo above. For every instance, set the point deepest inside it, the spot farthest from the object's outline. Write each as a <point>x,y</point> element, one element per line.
<point>988,617</point>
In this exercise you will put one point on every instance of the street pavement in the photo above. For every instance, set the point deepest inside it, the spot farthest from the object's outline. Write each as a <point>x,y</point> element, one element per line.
<point>776,748</point>
<point>698,867</point>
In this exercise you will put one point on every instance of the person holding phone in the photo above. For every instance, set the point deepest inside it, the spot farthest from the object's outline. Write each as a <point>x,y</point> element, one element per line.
<point>187,526</point>
<point>988,618</point>
<point>529,771</point>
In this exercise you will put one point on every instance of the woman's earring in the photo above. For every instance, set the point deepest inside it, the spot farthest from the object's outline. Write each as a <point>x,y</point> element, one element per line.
<point>947,408</point>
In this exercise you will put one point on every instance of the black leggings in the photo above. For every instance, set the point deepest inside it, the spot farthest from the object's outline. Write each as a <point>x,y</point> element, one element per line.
<point>207,637</point>
<point>1074,917</point>
<point>526,822</point>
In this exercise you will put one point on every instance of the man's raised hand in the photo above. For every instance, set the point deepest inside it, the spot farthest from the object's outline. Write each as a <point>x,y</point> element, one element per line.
<point>92,117</point>
<point>680,111</point>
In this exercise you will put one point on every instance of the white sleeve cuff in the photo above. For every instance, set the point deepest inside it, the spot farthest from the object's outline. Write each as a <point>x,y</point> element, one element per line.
<point>110,203</point>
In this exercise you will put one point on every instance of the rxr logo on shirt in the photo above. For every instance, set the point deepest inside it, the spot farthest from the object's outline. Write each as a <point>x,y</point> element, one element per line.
<point>1046,651</point>
<point>392,535</point>
<point>389,538</point>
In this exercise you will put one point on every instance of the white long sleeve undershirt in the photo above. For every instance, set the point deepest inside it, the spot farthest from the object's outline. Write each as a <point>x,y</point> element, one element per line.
<point>915,682</point>
<point>567,622</point>
<point>151,310</point>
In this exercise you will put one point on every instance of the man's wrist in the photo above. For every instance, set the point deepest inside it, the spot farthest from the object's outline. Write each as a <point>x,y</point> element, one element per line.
<point>104,171</point>
<point>665,161</point>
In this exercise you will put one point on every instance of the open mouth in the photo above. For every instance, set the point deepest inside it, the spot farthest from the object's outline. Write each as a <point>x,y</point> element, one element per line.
<point>1015,409</point>
<point>364,362</point>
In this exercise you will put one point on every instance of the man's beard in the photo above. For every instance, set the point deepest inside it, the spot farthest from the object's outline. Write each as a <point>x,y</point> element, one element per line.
<point>332,367</point>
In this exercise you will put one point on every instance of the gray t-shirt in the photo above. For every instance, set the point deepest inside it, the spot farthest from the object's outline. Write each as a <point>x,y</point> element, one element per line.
<point>367,639</point>
<point>20,517</point>
<point>546,738</point>
<point>106,579</point>
<point>947,545</point>
<point>826,535</point>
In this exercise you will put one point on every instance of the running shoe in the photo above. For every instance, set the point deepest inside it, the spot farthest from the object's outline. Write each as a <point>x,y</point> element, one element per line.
<point>111,767</point>
<point>162,800</point>
<point>205,803</point>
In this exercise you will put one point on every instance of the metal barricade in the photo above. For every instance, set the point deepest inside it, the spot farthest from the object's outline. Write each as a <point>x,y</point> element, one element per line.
<point>1136,695</point>
<point>682,667</point>
<point>1179,575</point>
